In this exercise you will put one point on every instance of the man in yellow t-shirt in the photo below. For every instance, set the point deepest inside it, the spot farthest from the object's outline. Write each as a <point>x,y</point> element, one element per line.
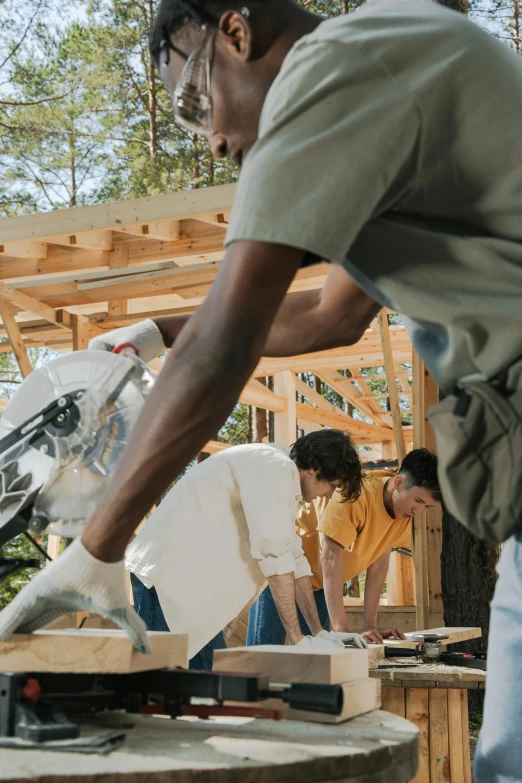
<point>359,536</point>
<point>356,536</point>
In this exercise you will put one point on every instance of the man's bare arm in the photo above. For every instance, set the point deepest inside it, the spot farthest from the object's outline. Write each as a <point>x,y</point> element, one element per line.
<point>283,589</point>
<point>375,579</point>
<point>308,321</point>
<point>333,579</point>
<point>211,361</point>
<point>304,595</point>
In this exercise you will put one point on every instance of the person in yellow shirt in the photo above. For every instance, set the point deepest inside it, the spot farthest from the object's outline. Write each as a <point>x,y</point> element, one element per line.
<point>356,536</point>
<point>359,536</point>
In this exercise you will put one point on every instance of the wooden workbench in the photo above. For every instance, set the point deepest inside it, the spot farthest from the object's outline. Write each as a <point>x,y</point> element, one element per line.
<point>435,698</point>
<point>374,748</point>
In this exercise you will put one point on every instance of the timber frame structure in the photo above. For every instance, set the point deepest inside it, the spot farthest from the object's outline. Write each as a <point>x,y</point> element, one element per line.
<point>68,275</point>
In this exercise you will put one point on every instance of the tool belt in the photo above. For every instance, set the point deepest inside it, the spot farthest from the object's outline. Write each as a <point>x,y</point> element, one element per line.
<point>479,448</point>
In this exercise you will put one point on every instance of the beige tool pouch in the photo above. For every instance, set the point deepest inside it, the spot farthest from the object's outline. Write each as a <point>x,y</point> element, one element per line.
<point>479,449</point>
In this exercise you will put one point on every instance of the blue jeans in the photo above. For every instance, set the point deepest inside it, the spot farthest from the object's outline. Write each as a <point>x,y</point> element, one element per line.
<point>147,605</point>
<point>265,627</point>
<point>498,758</point>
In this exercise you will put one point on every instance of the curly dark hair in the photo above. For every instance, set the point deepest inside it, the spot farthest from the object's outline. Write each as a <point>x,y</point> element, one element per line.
<point>420,469</point>
<point>173,15</point>
<point>333,455</point>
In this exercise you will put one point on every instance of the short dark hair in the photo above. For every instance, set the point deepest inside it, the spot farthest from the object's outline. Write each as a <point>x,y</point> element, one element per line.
<point>173,15</point>
<point>332,454</point>
<point>420,469</point>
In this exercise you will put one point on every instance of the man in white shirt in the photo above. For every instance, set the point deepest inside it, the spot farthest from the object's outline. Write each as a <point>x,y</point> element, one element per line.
<point>226,529</point>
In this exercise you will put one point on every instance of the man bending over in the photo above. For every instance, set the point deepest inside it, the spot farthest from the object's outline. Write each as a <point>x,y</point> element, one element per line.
<point>356,536</point>
<point>226,529</point>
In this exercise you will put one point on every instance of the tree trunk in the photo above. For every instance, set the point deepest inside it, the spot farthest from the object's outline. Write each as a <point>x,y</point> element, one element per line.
<point>456,5</point>
<point>354,591</point>
<point>468,582</point>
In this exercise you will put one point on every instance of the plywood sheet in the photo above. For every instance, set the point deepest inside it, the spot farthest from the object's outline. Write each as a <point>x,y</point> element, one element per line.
<point>293,664</point>
<point>89,650</point>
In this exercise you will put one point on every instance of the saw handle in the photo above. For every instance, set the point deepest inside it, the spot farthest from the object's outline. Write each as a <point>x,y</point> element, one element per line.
<point>126,349</point>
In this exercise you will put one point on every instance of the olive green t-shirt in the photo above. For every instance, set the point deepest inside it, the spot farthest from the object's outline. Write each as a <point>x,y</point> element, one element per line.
<point>391,142</point>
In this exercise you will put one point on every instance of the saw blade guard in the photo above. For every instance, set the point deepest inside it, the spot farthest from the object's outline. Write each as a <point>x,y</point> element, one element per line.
<point>73,456</point>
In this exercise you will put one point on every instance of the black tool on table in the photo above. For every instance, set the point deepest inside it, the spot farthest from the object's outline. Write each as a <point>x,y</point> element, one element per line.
<point>37,707</point>
<point>429,649</point>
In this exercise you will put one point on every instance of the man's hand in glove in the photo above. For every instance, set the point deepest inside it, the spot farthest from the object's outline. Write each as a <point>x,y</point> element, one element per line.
<point>144,336</point>
<point>317,643</point>
<point>76,581</point>
<point>344,638</point>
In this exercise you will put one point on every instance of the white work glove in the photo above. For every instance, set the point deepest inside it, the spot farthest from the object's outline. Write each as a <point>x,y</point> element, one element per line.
<point>145,336</point>
<point>318,643</point>
<point>347,639</point>
<point>75,581</point>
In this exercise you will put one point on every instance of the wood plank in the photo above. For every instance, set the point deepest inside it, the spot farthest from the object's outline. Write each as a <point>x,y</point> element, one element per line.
<point>359,697</point>
<point>438,675</point>
<point>438,736</point>
<point>391,384</point>
<point>25,302</point>
<point>78,276</point>
<point>465,736</point>
<point>170,206</point>
<point>24,249</point>
<point>417,704</point>
<point>455,735</point>
<point>315,398</point>
<point>91,650</point>
<point>166,229</point>
<point>455,634</point>
<point>433,515</point>
<point>293,664</point>
<point>54,544</point>
<point>15,339</point>
<point>285,422</point>
<point>213,446</point>
<point>394,701</point>
<point>372,433</point>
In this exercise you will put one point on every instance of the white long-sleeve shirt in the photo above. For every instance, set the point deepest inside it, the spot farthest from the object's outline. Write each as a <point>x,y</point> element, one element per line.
<point>225,527</point>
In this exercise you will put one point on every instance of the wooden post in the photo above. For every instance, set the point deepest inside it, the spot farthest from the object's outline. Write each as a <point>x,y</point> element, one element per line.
<point>433,515</point>
<point>53,547</point>
<point>420,553</point>
<point>400,575</point>
<point>285,422</point>
<point>80,332</point>
<point>391,384</point>
<point>15,338</point>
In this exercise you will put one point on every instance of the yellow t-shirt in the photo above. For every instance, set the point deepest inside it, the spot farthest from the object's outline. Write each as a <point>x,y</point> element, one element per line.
<point>364,528</point>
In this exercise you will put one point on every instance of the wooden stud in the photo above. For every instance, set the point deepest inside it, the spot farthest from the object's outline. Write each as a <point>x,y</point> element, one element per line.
<point>417,703</point>
<point>371,433</point>
<point>285,422</point>
<point>394,581</point>
<point>169,230</point>
<point>15,339</point>
<point>391,384</point>
<point>420,553</point>
<point>438,736</point>
<point>258,395</point>
<point>345,387</point>
<point>80,332</point>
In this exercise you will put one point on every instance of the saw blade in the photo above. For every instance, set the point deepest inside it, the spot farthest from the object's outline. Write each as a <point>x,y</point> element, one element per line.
<point>86,442</point>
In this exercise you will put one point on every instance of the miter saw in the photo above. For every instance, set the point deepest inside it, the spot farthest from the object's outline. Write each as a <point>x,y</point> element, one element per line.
<point>61,437</point>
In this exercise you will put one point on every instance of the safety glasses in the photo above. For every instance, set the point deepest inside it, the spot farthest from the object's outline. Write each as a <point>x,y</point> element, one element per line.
<point>191,98</point>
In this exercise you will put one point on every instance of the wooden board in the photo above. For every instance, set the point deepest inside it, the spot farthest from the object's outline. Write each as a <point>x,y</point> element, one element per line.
<point>90,650</point>
<point>417,704</point>
<point>431,675</point>
<point>359,697</point>
<point>286,664</point>
<point>455,635</point>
